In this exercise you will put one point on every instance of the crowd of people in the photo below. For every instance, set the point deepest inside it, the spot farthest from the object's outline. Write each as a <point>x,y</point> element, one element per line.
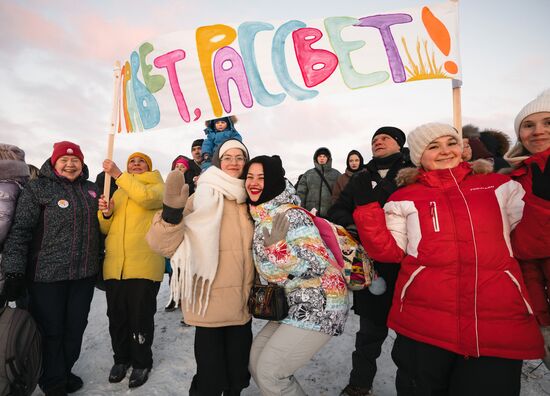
<point>456,223</point>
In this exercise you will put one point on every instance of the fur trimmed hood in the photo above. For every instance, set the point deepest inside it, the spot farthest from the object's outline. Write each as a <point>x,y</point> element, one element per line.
<point>408,176</point>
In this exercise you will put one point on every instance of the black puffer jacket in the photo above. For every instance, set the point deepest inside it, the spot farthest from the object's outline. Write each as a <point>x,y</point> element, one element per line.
<point>364,302</point>
<point>55,233</point>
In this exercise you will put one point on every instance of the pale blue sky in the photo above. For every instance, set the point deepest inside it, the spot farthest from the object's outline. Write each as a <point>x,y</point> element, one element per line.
<point>56,61</point>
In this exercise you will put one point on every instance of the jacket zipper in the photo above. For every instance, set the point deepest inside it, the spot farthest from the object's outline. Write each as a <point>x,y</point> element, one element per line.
<point>406,286</point>
<point>435,219</point>
<point>513,278</point>
<point>476,258</point>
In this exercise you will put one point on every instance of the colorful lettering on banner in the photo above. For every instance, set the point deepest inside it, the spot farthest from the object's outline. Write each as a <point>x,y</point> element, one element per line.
<point>280,67</point>
<point>316,65</point>
<point>126,75</point>
<point>343,49</point>
<point>293,58</point>
<point>153,83</point>
<point>383,23</point>
<point>234,71</point>
<point>146,103</point>
<point>168,61</point>
<point>210,39</point>
<point>247,32</point>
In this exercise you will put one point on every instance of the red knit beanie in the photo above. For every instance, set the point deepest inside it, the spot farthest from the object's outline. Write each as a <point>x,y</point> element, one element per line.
<point>66,148</point>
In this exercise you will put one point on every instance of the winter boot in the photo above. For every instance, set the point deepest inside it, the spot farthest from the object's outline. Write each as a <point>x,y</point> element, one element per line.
<point>351,390</point>
<point>545,330</point>
<point>74,383</point>
<point>138,377</point>
<point>171,306</point>
<point>57,390</point>
<point>118,372</point>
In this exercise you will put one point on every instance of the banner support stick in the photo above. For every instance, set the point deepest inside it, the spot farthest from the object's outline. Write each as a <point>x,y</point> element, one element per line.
<point>114,119</point>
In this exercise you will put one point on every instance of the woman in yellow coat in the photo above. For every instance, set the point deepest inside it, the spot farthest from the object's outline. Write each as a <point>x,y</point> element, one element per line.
<point>132,271</point>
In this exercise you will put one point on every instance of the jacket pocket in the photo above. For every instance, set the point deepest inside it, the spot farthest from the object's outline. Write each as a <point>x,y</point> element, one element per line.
<point>435,218</point>
<point>409,282</point>
<point>515,281</point>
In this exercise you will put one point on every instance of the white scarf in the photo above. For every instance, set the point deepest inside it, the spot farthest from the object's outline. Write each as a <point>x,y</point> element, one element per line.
<point>196,258</point>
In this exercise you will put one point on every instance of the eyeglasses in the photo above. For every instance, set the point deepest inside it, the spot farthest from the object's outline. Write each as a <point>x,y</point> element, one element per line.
<point>239,159</point>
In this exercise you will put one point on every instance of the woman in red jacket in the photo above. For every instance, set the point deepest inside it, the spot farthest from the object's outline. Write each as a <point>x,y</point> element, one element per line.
<point>529,158</point>
<point>463,319</point>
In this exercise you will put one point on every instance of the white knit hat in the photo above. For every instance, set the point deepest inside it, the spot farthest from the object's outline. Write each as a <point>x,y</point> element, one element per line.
<point>538,105</point>
<point>421,136</point>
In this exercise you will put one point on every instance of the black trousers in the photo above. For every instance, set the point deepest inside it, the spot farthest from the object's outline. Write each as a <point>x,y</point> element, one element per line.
<point>222,355</point>
<point>427,370</point>
<point>131,307</point>
<point>61,311</point>
<point>368,347</point>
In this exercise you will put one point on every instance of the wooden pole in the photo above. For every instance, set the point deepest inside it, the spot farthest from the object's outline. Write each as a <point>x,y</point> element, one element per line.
<point>457,102</point>
<point>114,120</point>
<point>457,106</point>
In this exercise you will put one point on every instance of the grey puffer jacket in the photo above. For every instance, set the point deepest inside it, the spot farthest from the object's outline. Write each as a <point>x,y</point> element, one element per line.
<point>13,176</point>
<point>311,189</point>
<point>55,232</point>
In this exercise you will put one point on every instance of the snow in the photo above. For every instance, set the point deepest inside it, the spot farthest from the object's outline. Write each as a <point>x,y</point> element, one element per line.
<point>174,363</point>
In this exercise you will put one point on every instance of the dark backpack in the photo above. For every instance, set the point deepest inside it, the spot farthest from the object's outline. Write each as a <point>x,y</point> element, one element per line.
<point>20,352</point>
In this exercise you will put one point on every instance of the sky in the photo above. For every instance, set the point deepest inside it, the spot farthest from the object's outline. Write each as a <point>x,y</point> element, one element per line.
<point>57,58</point>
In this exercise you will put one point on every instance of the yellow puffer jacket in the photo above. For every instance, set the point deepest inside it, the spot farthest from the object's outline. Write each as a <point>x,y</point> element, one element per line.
<point>127,254</point>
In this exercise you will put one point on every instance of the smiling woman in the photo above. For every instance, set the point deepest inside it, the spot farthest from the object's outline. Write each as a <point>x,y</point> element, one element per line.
<point>52,250</point>
<point>441,227</point>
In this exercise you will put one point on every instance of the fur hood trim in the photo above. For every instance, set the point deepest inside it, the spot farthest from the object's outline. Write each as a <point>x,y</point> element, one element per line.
<point>408,176</point>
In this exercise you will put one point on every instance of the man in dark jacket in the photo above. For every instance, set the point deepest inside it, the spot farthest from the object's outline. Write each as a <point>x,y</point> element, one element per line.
<point>315,186</point>
<point>373,309</point>
<point>194,170</point>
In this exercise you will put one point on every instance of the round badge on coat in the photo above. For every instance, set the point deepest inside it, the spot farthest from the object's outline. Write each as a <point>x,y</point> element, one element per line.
<point>63,203</point>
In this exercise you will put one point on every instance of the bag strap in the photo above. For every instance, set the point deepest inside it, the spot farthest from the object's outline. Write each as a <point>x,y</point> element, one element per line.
<point>324,180</point>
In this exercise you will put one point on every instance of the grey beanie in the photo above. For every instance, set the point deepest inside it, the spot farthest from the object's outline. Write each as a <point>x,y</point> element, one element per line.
<point>422,135</point>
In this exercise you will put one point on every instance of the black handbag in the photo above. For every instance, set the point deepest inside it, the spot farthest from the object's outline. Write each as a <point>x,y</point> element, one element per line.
<point>267,301</point>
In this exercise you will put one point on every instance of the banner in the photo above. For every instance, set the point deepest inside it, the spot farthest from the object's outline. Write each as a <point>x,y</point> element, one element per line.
<point>220,69</point>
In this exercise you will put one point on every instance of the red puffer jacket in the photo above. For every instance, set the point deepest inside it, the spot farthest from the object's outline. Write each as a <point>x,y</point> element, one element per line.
<point>459,287</point>
<point>531,239</point>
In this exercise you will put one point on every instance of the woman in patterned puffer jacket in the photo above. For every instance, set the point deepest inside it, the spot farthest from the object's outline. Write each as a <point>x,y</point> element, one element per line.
<point>289,251</point>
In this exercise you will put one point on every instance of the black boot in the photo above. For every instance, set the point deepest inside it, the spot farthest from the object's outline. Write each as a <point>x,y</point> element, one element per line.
<point>74,383</point>
<point>118,372</point>
<point>138,377</point>
<point>57,390</point>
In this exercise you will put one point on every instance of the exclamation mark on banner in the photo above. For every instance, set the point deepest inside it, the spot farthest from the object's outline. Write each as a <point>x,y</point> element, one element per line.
<point>440,36</point>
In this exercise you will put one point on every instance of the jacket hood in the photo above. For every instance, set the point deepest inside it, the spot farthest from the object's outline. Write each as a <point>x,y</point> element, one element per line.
<point>47,170</point>
<point>496,142</point>
<point>231,121</point>
<point>10,169</point>
<point>361,159</point>
<point>408,176</point>
<point>322,150</point>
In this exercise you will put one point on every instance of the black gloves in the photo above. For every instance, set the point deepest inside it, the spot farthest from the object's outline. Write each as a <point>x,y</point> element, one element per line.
<point>364,193</point>
<point>14,286</point>
<point>541,181</point>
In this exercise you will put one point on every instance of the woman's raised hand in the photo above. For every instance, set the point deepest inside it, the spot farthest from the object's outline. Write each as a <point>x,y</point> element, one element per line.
<point>279,229</point>
<point>106,207</point>
<point>111,168</point>
<point>176,191</point>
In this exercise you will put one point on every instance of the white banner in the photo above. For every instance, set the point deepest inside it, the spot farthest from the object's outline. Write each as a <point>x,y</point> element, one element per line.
<point>219,69</point>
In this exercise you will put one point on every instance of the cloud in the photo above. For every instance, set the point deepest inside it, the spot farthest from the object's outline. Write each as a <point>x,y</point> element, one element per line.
<point>23,26</point>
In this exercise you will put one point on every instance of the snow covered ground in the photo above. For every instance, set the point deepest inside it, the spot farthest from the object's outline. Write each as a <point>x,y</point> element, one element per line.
<point>174,363</point>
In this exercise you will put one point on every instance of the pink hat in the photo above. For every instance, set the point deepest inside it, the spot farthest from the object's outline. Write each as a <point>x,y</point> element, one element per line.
<point>66,148</point>
<point>182,161</point>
